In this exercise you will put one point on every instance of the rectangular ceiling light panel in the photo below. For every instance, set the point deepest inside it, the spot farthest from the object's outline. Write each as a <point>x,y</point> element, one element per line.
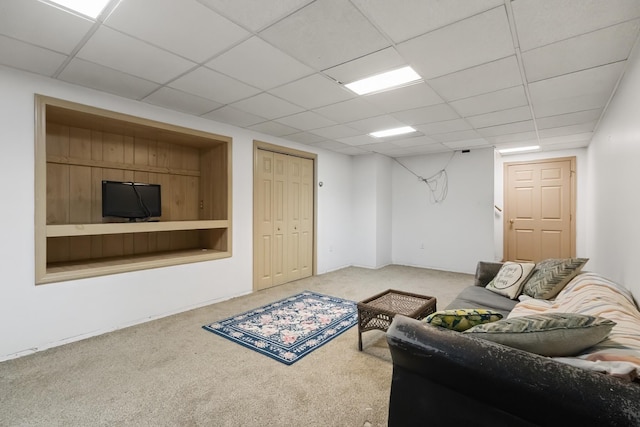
<point>519,149</point>
<point>392,132</point>
<point>390,79</point>
<point>90,8</point>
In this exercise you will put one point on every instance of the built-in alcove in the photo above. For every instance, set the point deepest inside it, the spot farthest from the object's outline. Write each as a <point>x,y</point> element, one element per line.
<point>78,146</point>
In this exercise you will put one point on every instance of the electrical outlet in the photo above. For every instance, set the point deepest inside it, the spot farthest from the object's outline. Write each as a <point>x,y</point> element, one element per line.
<point>421,245</point>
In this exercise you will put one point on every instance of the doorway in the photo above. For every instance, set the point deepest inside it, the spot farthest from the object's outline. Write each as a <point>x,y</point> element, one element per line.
<point>283,215</point>
<point>540,209</point>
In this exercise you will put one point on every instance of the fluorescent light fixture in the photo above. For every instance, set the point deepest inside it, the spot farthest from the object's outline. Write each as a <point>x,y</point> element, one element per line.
<point>90,8</point>
<point>392,132</point>
<point>388,80</point>
<point>519,149</point>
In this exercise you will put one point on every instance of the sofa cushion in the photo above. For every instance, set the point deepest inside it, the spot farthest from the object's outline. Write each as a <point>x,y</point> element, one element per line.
<point>553,334</point>
<point>551,275</point>
<point>479,297</point>
<point>462,319</point>
<point>511,278</point>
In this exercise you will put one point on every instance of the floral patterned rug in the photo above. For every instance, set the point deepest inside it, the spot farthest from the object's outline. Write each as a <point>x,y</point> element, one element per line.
<point>289,329</point>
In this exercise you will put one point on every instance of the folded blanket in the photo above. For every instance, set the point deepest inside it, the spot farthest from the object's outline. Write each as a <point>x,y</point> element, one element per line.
<point>589,293</point>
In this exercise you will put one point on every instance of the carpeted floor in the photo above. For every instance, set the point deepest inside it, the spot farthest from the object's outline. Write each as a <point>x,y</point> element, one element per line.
<point>171,372</point>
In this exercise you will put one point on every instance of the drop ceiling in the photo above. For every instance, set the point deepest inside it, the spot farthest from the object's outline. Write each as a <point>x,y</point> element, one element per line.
<point>496,73</point>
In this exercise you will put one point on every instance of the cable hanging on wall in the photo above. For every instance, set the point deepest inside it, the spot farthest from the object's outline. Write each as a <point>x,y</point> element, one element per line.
<point>438,183</point>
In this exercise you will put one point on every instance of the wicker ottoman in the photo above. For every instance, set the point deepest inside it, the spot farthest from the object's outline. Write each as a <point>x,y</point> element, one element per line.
<point>378,311</point>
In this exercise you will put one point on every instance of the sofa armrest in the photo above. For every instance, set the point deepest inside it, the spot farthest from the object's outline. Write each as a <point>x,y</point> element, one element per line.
<point>485,272</point>
<point>442,375</point>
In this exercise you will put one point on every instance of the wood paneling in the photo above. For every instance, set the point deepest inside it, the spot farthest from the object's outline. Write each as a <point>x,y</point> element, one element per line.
<point>77,147</point>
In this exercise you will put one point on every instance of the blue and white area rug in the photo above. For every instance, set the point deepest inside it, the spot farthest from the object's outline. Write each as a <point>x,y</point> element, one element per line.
<point>289,329</point>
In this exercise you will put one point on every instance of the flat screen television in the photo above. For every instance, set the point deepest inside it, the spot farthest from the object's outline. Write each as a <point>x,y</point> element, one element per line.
<point>131,200</point>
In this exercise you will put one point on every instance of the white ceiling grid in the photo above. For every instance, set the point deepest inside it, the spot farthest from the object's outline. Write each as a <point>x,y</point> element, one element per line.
<point>498,73</point>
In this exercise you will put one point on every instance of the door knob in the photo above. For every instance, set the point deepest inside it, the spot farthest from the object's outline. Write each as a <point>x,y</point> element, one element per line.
<point>511,221</point>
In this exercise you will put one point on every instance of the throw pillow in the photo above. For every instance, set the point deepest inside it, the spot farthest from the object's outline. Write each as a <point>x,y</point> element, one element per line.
<point>462,319</point>
<point>551,275</point>
<point>552,334</point>
<point>511,278</point>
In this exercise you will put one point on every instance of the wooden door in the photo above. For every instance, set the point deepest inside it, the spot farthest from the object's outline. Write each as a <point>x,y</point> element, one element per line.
<point>306,217</point>
<point>283,218</point>
<point>293,221</point>
<point>263,220</point>
<point>539,220</point>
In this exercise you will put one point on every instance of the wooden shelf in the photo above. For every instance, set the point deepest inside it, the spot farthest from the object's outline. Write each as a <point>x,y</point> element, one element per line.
<point>77,147</point>
<point>63,230</point>
<point>57,272</point>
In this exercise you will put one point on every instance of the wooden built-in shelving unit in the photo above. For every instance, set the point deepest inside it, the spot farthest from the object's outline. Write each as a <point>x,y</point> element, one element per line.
<point>78,146</point>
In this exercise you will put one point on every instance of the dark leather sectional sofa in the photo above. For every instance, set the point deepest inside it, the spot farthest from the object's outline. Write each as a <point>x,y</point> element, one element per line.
<point>443,377</point>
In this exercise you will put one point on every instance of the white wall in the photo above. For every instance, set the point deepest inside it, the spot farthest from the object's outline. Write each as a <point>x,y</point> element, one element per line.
<point>582,196</point>
<point>613,224</point>
<point>371,187</point>
<point>36,317</point>
<point>454,234</point>
<point>384,212</point>
<point>334,209</point>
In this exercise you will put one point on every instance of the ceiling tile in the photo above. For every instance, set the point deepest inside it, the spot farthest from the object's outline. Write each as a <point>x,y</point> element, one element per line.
<point>405,98</point>
<point>444,127</point>
<point>567,130</point>
<point>348,111</point>
<point>23,56</point>
<point>571,145</point>
<point>212,85</point>
<point>424,115</point>
<point>467,144</point>
<point>565,139</point>
<point>326,33</point>
<point>306,120</point>
<point>542,22</point>
<point>462,135</point>
<point>373,124</point>
<point>121,52</point>
<point>243,61</point>
<point>410,18</point>
<point>490,102</point>
<point>509,128</point>
<point>234,117</point>
<point>305,138</point>
<point>332,145</point>
<point>336,132</point>
<point>479,39</point>
<point>583,90</point>
<point>513,137</point>
<point>422,149</point>
<point>186,27</point>
<point>181,101</point>
<point>313,91</point>
<point>489,77</point>
<point>578,53</point>
<point>569,119</point>
<point>358,140</point>
<point>380,147</point>
<point>40,24</point>
<point>274,128</point>
<point>351,151</point>
<point>366,66</point>
<point>254,14</point>
<point>96,76</point>
<point>266,105</point>
<point>413,142</point>
<point>500,117</point>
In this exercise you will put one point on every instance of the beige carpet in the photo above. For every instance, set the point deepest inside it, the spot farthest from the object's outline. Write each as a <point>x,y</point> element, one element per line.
<point>171,372</point>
